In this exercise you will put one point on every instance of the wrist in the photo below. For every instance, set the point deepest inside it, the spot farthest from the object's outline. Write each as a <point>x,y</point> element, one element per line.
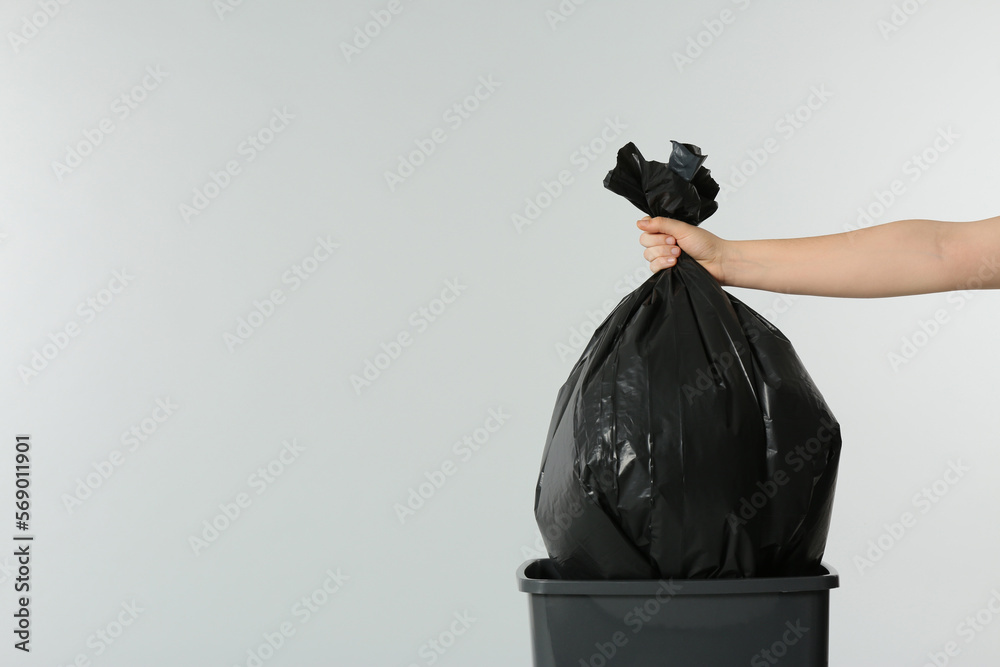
<point>739,264</point>
<point>728,261</point>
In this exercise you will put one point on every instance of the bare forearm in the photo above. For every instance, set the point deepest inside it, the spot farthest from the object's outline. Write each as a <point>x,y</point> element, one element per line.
<point>892,259</point>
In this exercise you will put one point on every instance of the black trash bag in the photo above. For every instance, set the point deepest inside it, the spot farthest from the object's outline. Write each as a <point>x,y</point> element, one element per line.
<point>689,441</point>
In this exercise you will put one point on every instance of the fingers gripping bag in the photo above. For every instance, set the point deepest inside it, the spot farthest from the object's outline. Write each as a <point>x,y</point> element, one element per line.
<point>688,441</point>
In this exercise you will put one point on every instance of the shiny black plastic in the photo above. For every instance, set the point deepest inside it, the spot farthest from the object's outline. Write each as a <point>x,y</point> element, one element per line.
<point>688,441</point>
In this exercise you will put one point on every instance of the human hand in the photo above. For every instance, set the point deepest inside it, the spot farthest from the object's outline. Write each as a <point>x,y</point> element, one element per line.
<point>664,238</point>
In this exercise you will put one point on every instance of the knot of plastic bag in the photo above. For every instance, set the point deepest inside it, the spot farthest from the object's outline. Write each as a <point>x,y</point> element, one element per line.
<point>682,188</point>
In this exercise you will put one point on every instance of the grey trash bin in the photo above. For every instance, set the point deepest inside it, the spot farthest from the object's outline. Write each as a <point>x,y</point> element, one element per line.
<point>677,623</point>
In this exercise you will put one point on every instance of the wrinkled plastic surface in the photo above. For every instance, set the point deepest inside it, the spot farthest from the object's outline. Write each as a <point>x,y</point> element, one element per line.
<point>688,441</point>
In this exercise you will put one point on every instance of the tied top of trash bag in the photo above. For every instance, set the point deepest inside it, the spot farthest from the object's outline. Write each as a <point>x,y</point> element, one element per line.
<point>681,189</point>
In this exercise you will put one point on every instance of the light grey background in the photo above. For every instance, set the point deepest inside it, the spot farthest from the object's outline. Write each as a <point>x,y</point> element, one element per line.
<point>888,93</point>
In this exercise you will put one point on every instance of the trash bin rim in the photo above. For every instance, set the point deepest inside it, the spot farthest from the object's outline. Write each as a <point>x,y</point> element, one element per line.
<point>751,585</point>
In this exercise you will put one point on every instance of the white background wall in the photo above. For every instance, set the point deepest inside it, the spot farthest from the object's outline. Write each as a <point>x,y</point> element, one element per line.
<point>65,234</point>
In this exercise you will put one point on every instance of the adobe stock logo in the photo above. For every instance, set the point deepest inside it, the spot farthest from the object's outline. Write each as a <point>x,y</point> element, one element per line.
<point>139,433</point>
<point>899,17</point>
<point>420,320</point>
<point>454,116</point>
<point>924,500</point>
<point>218,181</point>
<point>31,25</point>
<point>363,35</point>
<point>434,648</point>
<point>223,7</point>
<point>779,649</point>
<point>464,448</point>
<point>264,309</point>
<point>88,310</point>
<point>698,44</point>
<point>914,167</point>
<point>605,651</point>
<point>584,156</point>
<point>786,127</point>
<point>121,108</point>
<point>231,510</point>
